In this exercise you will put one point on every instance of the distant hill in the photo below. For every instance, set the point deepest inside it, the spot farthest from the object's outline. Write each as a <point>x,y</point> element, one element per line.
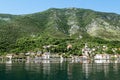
<point>60,23</point>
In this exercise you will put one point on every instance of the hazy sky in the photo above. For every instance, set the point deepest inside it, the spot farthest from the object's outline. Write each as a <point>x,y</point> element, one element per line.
<point>32,6</point>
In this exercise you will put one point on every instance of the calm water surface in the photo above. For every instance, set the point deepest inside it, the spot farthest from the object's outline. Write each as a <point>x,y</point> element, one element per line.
<point>59,71</point>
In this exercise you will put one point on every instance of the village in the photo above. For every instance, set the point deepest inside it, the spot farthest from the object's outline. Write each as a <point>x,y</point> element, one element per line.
<point>87,54</point>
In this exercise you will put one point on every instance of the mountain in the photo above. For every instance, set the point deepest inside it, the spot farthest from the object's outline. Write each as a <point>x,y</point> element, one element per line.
<point>73,23</point>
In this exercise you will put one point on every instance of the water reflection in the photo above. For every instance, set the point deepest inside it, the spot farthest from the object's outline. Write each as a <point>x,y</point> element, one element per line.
<point>8,65</point>
<point>55,70</point>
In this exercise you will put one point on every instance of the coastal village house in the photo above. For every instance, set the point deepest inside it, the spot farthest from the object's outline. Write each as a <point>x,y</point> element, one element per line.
<point>102,56</point>
<point>46,55</point>
<point>86,51</point>
<point>69,46</point>
<point>9,56</point>
<point>38,55</point>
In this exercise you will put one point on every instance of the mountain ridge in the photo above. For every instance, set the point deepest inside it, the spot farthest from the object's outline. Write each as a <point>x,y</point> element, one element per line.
<point>66,20</point>
<point>73,23</point>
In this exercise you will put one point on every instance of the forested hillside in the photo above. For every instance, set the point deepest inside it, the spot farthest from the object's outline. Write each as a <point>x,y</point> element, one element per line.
<point>60,27</point>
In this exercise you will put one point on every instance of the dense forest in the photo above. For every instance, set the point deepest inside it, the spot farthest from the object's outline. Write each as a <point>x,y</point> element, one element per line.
<point>59,46</point>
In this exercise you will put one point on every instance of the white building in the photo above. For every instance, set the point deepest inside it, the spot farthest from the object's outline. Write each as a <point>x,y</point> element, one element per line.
<point>102,56</point>
<point>9,56</point>
<point>86,51</point>
<point>46,55</point>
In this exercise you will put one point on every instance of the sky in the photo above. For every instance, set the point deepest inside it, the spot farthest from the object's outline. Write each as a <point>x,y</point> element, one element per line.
<point>32,6</point>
